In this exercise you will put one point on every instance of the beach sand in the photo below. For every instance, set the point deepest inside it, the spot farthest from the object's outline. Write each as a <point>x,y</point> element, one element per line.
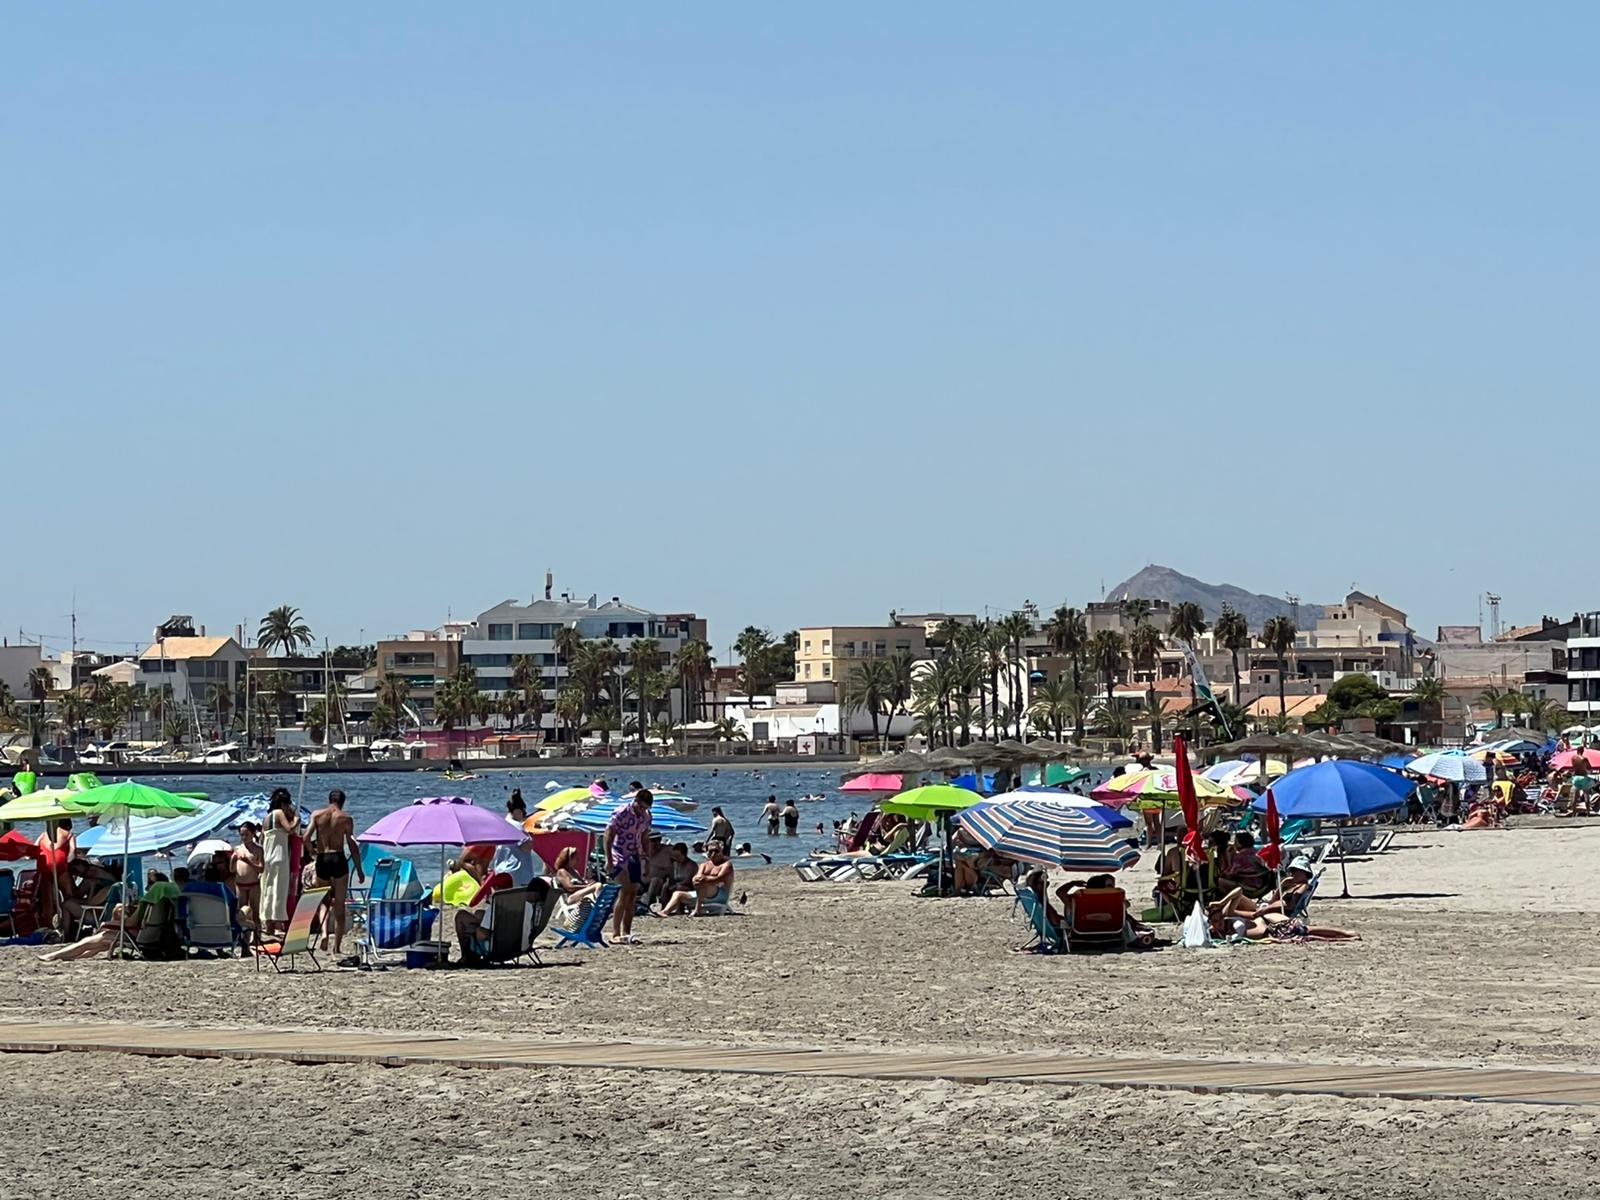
<point>1479,948</point>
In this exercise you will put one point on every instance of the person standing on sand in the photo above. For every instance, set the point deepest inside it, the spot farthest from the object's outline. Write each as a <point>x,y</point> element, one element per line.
<point>330,833</point>
<point>627,833</point>
<point>771,814</point>
<point>721,827</point>
<point>247,865</point>
<point>791,819</point>
<point>283,827</point>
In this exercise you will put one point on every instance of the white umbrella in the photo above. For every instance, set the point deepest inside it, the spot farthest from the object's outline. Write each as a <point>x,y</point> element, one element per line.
<point>1456,768</point>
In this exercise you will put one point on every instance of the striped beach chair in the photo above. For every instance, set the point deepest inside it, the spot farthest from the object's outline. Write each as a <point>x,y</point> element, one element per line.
<point>586,926</point>
<point>301,938</point>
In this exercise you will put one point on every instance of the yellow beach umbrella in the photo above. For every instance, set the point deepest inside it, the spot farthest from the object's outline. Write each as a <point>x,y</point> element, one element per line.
<point>46,804</point>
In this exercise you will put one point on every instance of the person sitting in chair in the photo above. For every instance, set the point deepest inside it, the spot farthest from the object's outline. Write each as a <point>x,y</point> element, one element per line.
<point>712,884</point>
<point>570,886</point>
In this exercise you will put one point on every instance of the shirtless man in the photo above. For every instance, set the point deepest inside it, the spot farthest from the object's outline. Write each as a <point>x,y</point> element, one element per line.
<point>329,835</point>
<point>247,864</point>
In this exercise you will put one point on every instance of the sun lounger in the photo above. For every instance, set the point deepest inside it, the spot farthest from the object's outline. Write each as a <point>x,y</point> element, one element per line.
<point>584,924</point>
<point>303,929</point>
<point>8,903</point>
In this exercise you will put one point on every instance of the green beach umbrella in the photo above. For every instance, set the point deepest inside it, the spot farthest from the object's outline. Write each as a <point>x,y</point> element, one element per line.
<point>46,804</point>
<point>130,799</point>
<point>926,803</point>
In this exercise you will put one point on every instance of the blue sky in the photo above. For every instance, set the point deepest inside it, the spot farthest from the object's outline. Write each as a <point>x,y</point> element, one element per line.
<point>793,314</point>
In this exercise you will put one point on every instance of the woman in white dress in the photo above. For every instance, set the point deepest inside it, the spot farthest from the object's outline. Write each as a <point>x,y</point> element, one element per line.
<point>283,825</point>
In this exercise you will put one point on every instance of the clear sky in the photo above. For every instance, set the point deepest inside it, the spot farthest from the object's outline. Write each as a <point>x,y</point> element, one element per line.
<point>791,314</point>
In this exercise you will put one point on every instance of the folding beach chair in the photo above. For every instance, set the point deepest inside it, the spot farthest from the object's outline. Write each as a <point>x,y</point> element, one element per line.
<point>209,919</point>
<point>1097,920</point>
<point>8,903</point>
<point>520,915</point>
<point>158,937</point>
<point>1045,936</point>
<point>303,930</point>
<point>585,923</point>
<point>393,925</point>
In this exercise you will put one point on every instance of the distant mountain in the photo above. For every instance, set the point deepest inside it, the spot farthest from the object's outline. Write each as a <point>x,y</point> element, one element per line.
<point>1163,583</point>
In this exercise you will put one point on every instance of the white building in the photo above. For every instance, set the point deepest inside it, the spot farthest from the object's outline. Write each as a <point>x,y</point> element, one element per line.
<point>510,630</point>
<point>16,664</point>
<point>192,665</point>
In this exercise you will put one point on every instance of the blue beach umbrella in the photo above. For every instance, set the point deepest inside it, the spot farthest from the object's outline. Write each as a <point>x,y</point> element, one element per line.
<point>1048,833</point>
<point>112,840</point>
<point>595,818</point>
<point>1455,767</point>
<point>1339,791</point>
<point>1110,817</point>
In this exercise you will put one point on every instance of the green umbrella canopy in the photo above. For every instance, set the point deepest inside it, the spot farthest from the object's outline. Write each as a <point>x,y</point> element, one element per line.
<point>133,799</point>
<point>46,804</point>
<point>925,803</point>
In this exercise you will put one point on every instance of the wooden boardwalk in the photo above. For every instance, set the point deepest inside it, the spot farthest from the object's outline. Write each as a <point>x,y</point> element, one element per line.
<point>1505,1085</point>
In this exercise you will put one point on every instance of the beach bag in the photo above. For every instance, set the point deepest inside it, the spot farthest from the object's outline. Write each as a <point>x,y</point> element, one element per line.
<point>1196,929</point>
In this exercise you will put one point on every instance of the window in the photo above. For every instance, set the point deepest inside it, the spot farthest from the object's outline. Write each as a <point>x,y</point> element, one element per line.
<point>808,645</point>
<point>827,670</point>
<point>808,669</point>
<point>827,645</point>
<point>500,633</point>
<point>849,649</point>
<point>902,646</point>
<point>880,649</point>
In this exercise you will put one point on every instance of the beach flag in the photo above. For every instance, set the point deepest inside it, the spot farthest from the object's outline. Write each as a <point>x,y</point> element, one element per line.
<point>1202,686</point>
<point>1272,852</point>
<point>1194,841</point>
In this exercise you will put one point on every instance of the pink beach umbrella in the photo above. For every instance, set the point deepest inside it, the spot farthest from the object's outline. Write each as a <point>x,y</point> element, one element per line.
<point>1567,759</point>
<point>873,783</point>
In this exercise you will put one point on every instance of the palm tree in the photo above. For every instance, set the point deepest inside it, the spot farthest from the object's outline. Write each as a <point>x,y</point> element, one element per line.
<point>1068,635</point>
<point>694,668</point>
<point>510,707</point>
<point>1543,715</point>
<point>70,711</point>
<point>220,696</point>
<point>1107,649</point>
<point>393,692</point>
<point>1144,651</point>
<point>1278,636</point>
<point>1052,705</point>
<point>1016,626</point>
<point>997,658</point>
<point>283,630</point>
<point>868,689</point>
<point>1497,701</point>
<point>317,722</point>
<point>902,682</point>
<point>729,730</point>
<point>1111,721</point>
<point>568,643</point>
<point>1136,610</point>
<point>1188,623</point>
<point>569,710</point>
<point>385,721</point>
<point>40,681</point>
<point>1233,635</point>
<point>752,645</point>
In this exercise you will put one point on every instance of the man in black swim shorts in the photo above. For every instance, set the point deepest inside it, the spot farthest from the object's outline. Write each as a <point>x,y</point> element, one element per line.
<point>331,834</point>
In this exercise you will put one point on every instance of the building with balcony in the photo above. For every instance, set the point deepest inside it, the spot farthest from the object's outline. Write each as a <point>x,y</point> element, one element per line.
<point>827,654</point>
<point>424,658</point>
<point>1583,668</point>
<point>512,630</point>
<point>193,666</point>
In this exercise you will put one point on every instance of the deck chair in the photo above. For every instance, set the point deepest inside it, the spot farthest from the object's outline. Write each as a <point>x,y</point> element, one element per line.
<point>520,915</point>
<point>393,925</point>
<point>158,937</point>
<point>93,914</point>
<point>1097,919</point>
<point>584,924</point>
<point>1303,904</point>
<point>8,903</point>
<point>25,905</point>
<point>209,919</point>
<point>304,926</point>
<point>1045,937</point>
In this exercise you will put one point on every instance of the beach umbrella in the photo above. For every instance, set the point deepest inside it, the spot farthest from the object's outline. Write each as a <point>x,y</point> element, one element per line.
<point>1159,789</point>
<point>595,817</point>
<point>564,797</point>
<point>15,846</point>
<point>45,804</point>
<point>1217,772</point>
<point>1495,754</point>
<point>1339,791</point>
<point>253,810</point>
<point>1396,762</point>
<point>1251,773</point>
<point>925,803</point>
<point>1048,832</point>
<point>1272,852</point>
<point>1456,768</point>
<point>129,800</point>
<point>117,837</point>
<point>872,783</point>
<point>1194,845</point>
<point>1056,773</point>
<point>1110,817</point>
<point>674,800</point>
<point>1565,760</point>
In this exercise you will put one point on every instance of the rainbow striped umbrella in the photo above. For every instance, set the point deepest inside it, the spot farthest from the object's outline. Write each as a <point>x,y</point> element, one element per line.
<point>1159,789</point>
<point>1048,833</point>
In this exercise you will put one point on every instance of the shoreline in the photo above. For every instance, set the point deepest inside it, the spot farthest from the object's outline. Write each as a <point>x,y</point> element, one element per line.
<point>436,766</point>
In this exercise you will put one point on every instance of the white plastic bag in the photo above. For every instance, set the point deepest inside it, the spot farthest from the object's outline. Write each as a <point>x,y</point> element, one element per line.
<point>1196,929</point>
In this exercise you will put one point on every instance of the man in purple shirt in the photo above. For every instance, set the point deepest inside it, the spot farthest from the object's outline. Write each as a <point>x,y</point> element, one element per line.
<point>626,837</point>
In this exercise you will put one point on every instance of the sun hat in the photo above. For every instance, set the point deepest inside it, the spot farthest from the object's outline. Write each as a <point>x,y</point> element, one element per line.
<point>1301,863</point>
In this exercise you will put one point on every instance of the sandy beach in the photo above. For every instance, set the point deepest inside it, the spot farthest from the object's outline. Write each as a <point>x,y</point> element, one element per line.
<point>1478,949</point>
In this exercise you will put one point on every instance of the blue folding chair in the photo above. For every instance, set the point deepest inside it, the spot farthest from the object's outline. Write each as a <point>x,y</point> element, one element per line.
<point>1045,935</point>
<point>591,924</point>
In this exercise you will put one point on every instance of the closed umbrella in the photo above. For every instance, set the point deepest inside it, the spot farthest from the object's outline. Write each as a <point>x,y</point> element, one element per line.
<point>1272,852</point>
<point>1048,832</point>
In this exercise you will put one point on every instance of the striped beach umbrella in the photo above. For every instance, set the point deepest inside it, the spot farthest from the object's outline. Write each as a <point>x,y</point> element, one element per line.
<point>1158,789</point>
<point>1048,833</point>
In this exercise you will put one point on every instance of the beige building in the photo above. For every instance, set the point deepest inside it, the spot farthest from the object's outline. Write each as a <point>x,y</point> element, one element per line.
<point>829,653</point>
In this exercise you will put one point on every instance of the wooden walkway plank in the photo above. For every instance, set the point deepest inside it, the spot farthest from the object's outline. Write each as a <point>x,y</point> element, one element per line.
<point>1479,1084</point>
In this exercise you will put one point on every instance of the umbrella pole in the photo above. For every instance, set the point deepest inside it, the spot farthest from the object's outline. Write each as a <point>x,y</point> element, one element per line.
<point>122,923</point>
<point>1344,876</point>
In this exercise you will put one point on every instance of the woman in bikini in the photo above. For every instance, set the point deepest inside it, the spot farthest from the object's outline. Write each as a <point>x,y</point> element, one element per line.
<point>247,865</point>
<point>571,886</point>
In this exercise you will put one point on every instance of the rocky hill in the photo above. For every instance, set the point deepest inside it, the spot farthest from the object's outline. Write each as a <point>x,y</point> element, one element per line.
<point>1163,583</point>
